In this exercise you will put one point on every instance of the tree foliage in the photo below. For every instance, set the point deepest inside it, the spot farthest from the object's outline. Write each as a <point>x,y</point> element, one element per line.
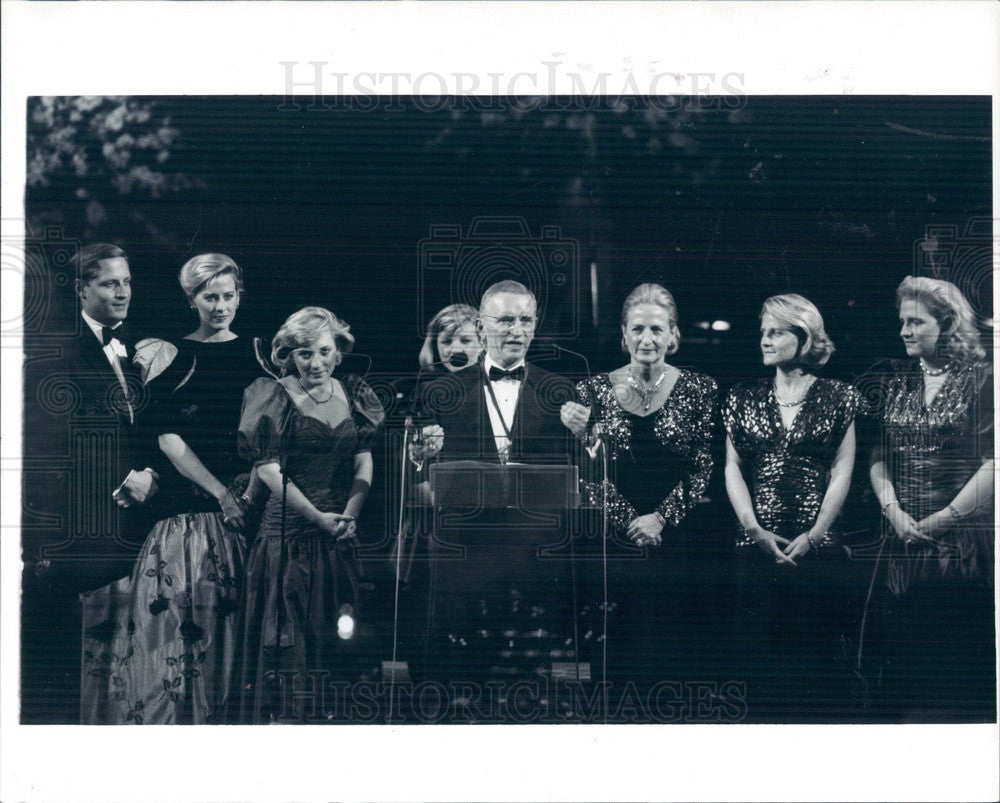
<point>97,150</point>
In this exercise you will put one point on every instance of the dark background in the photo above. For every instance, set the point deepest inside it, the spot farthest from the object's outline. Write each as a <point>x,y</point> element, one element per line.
<point>725,201</point>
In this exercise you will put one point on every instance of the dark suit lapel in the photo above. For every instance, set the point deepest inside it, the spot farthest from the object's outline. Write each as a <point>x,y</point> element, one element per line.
<point>92,353</point>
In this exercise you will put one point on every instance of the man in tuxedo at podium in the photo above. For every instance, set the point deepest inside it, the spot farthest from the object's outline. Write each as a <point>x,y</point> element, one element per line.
<point>504,409</point>
<point>499,595</point>
<point>102,512</point>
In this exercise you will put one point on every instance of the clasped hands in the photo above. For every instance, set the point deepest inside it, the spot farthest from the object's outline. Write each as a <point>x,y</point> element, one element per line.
<point>784,550</point>
<point>339,524</point>
<point>910,531</point>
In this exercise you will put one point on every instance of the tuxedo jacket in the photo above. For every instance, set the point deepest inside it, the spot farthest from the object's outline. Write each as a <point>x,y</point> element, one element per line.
<point>78,427</point>
<point>458,402</point>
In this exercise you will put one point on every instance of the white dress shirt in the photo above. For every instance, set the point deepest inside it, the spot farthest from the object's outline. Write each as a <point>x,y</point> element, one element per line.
<point>115,351</point>
<point>506,392</point>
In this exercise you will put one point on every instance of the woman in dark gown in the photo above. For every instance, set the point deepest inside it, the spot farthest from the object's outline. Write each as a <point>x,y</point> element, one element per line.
<point>171,655</point>
<point>656,422</point>
<point>933,474</point>
<point>310,437</point>
<point>789,455</point>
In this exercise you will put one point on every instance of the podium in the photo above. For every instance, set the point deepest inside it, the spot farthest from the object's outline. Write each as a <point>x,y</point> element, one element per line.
<point>501,572</point>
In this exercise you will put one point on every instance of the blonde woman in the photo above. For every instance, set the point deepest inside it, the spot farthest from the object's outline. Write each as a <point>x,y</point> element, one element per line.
<point>934,475</point>
<point>172,656</point>
<point>310,436</point>
<point>790,450</point>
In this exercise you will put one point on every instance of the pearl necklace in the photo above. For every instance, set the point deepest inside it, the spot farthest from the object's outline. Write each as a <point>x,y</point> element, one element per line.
<point>315,400</point>
<point>796,403</point>
<point>931,372</point>
<point>645,391</point>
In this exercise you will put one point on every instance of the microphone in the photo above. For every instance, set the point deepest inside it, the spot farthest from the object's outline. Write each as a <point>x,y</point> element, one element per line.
<point>459,359</point>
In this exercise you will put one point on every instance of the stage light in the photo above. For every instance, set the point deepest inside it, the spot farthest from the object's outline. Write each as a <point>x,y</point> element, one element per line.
<point>721,326</point>
<point>704,325</point>
<point>345,624</point>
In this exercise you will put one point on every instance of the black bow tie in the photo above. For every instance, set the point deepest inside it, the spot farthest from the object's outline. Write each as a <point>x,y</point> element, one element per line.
<point>119,333</point>
<point>517,374</point>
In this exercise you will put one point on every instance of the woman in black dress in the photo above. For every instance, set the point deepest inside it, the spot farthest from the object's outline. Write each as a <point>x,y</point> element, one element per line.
<point>656,422</point>
<point>789,456</point>
<point>172,655</point>
<point>934,477</point>
<point>310,437</point>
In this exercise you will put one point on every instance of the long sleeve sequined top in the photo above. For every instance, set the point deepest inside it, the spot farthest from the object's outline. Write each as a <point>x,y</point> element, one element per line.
<point>932,451</point>
<point>659,462</point>
<point>788,468</point>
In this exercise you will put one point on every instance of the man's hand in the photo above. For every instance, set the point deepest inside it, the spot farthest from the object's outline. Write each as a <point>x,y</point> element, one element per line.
<point>137,487</point>
<point>432,438</point>
<point>574,417</point>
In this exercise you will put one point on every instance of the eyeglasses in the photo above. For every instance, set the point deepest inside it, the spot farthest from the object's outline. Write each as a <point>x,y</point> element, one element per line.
<point>506,323</point>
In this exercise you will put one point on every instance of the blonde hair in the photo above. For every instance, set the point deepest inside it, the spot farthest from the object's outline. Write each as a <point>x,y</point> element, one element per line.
<point>200,270</point>
<point>305,327</point>
<point>800,315</point>
<point>447,321</point>
<point>659,296</point>
<point>959,339</point>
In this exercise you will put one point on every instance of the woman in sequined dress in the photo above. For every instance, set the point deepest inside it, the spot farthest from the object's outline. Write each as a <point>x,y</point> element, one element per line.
<point>656,422</point>
<point>789,455</point>
<point>933,473</point>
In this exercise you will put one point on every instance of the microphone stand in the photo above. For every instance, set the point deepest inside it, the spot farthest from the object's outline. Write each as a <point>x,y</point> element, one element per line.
<point>284,448</point>
<point>595,445</point>
<point>411,434</point>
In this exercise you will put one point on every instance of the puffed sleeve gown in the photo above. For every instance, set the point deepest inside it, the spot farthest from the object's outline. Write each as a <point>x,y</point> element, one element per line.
<point>299,576</point>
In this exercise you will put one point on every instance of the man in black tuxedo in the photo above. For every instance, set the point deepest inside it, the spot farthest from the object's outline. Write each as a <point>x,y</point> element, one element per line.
<point>84,411</point>
<point>512,575</point>
<point>99,363</point>
<point>503,409</point>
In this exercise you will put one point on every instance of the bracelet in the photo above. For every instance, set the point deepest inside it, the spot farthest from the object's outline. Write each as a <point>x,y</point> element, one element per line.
<point>888,505</point>
<point>810,539</point>
<point>954,512</point>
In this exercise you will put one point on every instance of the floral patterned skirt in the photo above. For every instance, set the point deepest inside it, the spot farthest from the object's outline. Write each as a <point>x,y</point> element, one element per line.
<point>160,647</point>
